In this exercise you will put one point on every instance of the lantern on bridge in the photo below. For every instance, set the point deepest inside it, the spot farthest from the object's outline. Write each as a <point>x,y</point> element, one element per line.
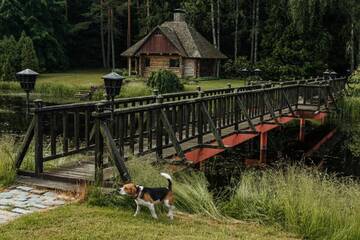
<point>326,74</point>
<point>112,83</point>
<point>333,75</point>
<point>27,79</point>
<point>245,74</point>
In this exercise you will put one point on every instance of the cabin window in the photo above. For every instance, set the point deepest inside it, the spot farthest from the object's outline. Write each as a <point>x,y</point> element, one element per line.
<point>147,62</point>
<point>174,62</point>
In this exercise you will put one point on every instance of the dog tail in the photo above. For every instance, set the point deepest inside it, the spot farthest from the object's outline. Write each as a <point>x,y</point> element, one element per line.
<point>168,177</point>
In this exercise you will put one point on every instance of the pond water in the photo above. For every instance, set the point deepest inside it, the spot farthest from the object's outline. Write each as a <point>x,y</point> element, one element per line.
<point>12,114</point>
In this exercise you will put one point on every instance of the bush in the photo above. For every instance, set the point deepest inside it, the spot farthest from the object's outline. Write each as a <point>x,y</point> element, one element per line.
<point>233,68</point>
<point>165,81</point>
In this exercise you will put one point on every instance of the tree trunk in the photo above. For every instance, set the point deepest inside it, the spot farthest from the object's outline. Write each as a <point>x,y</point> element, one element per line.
<point>112,39</point>
<point>358,56</point>
<point>253,32</point>
<point>236,29</point>
<point>256,31</point>
<point>129,25</point>
<point>148,16</point>
<point>218,37</point>
<point>102,34</point>
<point>66,9</point>
<point>352,50</point>
<point>218,24</point>
<point>213,22</point>
<point>108,38</point>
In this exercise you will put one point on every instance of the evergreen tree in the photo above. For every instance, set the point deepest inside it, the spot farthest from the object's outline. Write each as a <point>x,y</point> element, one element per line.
<point>28,55</point>
<point>9,52</point>
<point>8,71</point>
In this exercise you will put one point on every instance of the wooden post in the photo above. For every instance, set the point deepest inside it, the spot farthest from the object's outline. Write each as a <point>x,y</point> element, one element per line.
<point>159,128</point>
<point>302,130</point>
<point>263,147</point>
<point>281,100</point>
<point>129,63</point>
<point>200,118</point>
<point>140,66</point>
<point>262,101</point>
<point>38,133</point>
<point>297,95</point>
<point>99,146</point>
<point>181,67</point>
<point>136,66</point>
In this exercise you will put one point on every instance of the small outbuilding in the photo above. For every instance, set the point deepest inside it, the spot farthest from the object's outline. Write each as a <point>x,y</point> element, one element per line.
<point>175,46</point>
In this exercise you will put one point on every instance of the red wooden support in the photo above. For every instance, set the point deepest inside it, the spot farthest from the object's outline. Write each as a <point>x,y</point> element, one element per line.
<point>302,130</point>
<point>263,147</point>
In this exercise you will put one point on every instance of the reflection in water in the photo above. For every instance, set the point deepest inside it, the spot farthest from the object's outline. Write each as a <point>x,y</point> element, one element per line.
<point>12,114</point>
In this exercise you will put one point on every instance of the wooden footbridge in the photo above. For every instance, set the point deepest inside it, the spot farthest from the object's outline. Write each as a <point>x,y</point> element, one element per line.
<point>180,129</point>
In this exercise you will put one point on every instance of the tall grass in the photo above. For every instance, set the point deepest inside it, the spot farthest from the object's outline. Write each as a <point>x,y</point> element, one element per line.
<point>7,168</point>
<point>301,200</point>
<point>191,190</point>
<point>304,201</point>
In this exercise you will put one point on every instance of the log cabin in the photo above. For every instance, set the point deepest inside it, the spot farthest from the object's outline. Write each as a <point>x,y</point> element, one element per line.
<point>175,46</point>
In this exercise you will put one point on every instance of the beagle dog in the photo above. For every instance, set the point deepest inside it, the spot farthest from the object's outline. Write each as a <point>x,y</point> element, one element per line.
<point>149,197</point>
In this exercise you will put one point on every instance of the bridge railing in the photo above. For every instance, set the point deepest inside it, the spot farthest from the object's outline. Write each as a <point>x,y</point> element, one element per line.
<point>163,125</point>
<point>69,129</point>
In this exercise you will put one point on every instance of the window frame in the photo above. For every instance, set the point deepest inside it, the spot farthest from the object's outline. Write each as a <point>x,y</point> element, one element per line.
<point>177,65</point>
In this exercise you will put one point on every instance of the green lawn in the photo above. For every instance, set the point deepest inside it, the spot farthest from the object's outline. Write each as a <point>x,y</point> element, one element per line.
<point>87,78</point>
<point>84,222</point>
<point>78,79</point>
<point>62,87</point>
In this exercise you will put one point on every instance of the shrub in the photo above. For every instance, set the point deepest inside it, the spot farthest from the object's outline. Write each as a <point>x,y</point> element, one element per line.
<point>165,81</point>
<point>233,68</point>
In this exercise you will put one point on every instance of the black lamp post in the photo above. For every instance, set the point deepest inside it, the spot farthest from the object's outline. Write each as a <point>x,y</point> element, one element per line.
<point>27,79</point>
<point>257,73</point>
<point>326,74</point>
<point>245,74</point>
<point>112,82</point>
<point>348,73</point>
<point>333,75</point>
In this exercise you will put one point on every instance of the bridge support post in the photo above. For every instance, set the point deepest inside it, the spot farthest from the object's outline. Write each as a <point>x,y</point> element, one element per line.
<point>302,130</point>
<point>99,147</point>
<point>39,138</point>
<point>263,147</point>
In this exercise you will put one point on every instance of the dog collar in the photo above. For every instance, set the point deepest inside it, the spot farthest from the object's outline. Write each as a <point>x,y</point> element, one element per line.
<point>138,191</point>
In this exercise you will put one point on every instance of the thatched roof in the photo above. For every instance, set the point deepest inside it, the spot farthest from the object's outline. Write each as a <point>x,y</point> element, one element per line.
<point>186,39</point>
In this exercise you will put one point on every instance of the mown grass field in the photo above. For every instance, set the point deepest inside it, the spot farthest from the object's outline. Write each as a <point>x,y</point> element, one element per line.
<point>85,222</point>
<point>62,87</point>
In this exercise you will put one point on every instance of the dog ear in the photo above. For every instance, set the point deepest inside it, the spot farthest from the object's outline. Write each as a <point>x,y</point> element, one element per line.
<point>133,189</point>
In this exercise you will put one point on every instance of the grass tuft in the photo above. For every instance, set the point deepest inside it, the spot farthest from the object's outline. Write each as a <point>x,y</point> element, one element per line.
<point>7,167</point>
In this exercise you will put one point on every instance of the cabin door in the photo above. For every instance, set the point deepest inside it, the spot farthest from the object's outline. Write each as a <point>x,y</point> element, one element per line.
<point>189,68</point>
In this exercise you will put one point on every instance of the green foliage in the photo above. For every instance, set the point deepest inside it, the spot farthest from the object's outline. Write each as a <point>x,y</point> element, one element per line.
<point>233,68</point>
<point>307,202</point>
<point>8,71</point>
<point>9,58</point>
<point>165,81</point>
<point>28,54</point>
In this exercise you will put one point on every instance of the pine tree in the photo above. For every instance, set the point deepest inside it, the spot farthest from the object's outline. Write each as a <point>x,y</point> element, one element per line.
<point>8,71</point>
<point>28,55</point>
